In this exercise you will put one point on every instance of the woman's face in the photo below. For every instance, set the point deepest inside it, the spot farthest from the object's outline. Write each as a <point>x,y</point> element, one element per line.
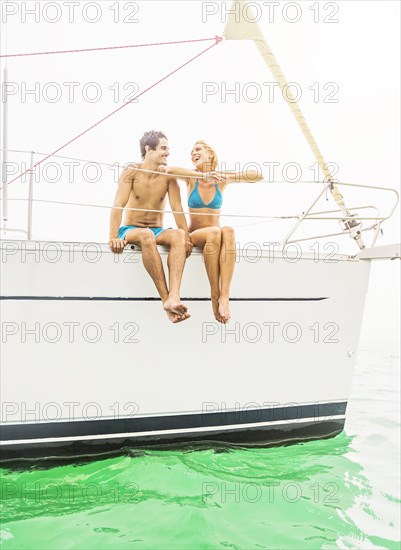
<point>201,156</point>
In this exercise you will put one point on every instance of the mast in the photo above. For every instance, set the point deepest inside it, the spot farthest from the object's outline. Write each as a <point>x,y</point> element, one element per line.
<point>239,29</point>
<point>5,155</point>
<point>5,137</point>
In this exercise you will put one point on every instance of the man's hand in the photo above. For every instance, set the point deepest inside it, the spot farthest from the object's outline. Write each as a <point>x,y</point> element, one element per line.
<point>188,247</point>
<point>162,168</point>
<point>117,245</point>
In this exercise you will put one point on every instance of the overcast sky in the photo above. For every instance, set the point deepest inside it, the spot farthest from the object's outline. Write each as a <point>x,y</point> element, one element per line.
<point>343,61</point>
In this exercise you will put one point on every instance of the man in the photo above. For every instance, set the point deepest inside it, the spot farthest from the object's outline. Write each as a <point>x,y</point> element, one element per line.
<point>147,191</point>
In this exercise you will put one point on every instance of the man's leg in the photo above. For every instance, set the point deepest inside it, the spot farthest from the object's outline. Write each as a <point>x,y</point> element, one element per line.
<point>227,264</point>
<point>153,264</point>
<point>175,239</point>
<point>209,239</point>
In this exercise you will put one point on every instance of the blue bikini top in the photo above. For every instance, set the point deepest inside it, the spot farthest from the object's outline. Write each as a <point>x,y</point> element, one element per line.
<point>195,200</point>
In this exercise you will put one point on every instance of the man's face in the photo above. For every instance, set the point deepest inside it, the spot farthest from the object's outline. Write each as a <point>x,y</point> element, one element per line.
<point>161,153</point>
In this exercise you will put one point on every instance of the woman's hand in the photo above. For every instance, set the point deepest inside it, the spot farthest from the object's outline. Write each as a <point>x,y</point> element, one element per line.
<point>218,177</point>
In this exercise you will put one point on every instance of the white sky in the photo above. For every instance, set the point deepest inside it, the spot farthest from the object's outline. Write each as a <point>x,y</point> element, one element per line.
<point>360,132</point>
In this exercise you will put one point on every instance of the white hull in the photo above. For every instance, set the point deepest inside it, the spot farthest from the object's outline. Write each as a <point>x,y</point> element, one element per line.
<point>90,361</point>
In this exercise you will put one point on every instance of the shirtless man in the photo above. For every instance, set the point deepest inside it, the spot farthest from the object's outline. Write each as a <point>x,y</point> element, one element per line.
<point>137,189</point>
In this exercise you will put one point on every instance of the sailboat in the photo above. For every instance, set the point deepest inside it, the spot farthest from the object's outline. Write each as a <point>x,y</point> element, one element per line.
<point>120,376</point>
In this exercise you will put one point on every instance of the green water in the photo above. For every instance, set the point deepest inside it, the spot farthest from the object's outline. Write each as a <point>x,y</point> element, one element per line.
<point>336,493</point>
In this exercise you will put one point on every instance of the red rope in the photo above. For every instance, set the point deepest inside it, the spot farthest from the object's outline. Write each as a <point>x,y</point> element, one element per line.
<point>108,48</point>
<point>217,41</point>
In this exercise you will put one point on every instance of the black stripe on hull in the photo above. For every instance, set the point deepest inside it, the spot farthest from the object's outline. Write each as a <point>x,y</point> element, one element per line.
<point>288,428</point>
<point>266,436</point>
<point>290,414</point>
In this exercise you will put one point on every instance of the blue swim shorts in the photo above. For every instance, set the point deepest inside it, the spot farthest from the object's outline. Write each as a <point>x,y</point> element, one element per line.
<point>125,228</point>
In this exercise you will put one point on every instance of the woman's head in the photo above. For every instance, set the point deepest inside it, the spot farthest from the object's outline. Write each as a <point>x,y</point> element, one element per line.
<point>204,156</point>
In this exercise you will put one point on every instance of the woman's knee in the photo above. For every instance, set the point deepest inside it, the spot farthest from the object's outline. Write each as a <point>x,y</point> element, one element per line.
<point>228,233</point>
<point>213,234</point>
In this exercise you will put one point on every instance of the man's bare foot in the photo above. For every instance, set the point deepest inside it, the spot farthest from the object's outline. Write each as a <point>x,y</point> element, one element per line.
<point>224,309</point>
<point>175,306</point>
<point>215,306</point>
<point>176,317</point>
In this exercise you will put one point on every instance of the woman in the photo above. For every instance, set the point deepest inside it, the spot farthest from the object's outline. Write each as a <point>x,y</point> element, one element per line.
<point>205,197</point>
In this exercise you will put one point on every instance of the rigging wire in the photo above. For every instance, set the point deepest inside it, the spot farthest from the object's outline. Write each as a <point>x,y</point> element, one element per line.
<point>83,50</point>
<point>217,41</point>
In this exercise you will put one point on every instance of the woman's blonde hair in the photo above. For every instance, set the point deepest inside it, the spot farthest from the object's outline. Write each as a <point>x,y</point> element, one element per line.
<point>213,160</point>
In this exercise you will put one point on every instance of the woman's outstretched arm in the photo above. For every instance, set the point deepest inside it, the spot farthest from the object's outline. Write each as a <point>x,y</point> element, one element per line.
<point>249,176</point>
<point>182,173</point>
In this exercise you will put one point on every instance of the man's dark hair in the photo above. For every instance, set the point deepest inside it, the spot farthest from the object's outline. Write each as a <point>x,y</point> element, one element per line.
<point>152,139</point>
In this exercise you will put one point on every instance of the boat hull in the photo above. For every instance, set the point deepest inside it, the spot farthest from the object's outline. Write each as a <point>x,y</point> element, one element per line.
<point>91,363</point>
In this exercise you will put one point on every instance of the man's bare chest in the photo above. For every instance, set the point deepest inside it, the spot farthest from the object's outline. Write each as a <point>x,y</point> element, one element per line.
<point>153,192</point>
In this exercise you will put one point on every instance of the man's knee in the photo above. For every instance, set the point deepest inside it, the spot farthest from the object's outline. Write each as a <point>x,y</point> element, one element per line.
<point>178,237</point>
<point>147,238</point>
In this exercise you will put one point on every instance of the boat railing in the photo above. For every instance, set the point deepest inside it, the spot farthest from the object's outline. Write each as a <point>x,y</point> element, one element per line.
<point>375,226</point>
<point>353,228</point>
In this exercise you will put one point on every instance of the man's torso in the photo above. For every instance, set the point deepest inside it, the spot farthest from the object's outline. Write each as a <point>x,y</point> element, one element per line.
<point>148,192</point>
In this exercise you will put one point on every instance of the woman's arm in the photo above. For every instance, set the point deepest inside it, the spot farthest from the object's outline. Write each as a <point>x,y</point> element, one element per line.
<point>249,176</point>
<point>182,173</point>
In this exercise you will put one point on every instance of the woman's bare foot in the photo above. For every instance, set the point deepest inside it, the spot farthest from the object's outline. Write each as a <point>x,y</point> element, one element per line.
<point>215,307</point>
<point>224,309</point>
<point>173,305</point>
<point>176,317</point>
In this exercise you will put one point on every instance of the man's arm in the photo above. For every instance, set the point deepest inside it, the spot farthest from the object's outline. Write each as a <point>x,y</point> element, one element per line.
<point>174,197</point>
<point>121,199</point>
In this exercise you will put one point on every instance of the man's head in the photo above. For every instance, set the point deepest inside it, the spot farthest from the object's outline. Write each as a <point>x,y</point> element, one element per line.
<point>154,146</point>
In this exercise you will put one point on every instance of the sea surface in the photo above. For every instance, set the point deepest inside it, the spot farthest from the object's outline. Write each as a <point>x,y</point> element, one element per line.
<point>337,493</point>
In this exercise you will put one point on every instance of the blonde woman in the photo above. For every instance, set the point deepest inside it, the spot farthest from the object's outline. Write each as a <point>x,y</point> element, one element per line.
<point>205,198</point>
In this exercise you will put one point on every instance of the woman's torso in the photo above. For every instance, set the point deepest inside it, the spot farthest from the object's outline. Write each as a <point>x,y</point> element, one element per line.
<point>206,200</point>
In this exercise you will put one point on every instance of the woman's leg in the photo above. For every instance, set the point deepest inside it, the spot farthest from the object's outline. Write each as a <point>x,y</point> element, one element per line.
<point>227,264</point>
<point>209,239</point>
